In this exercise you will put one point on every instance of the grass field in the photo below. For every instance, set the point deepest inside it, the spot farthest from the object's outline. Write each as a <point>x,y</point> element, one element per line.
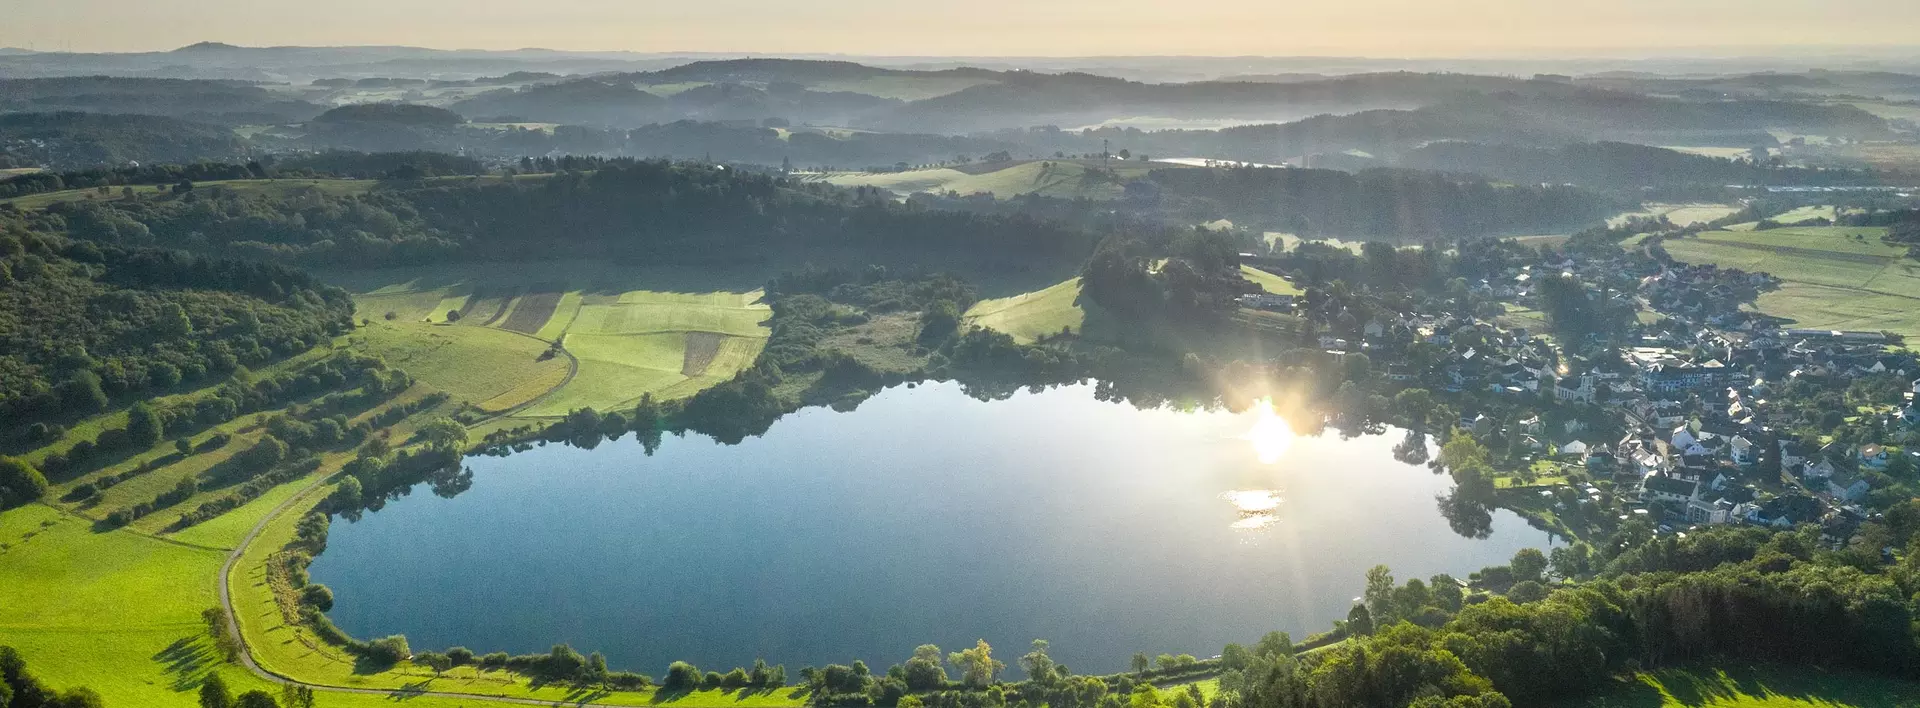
<point>1832,280</point>
<point>1750,686</point>
<point>1273,284</point>
<point>1064,179</point>
<point>478,365</point>
<point>1031,315</point>
<point>1679,214</point>
<point>669,332</point>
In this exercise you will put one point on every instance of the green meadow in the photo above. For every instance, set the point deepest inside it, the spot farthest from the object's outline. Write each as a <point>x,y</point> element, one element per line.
<point>1832,277</point>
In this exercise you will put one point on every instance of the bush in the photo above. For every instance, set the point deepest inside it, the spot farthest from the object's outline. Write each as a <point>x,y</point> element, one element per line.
<point>387,650</point>
<point>682,676</point>
<point>319,596</point>
<point>461,656</point>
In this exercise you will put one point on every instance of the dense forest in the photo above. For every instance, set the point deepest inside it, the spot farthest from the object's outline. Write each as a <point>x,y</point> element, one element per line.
<point>638,211</point>
<point>83,324</point>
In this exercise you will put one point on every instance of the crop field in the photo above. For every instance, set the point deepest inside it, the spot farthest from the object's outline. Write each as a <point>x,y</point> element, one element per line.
<point>1834,277</point>
<point>1756,686</point>
<point>1064,179</point>
<point>529,313</point>
<point>623,332</point>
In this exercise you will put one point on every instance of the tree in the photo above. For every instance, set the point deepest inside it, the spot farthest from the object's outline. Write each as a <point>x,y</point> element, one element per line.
<point>977,665</point>
<point>1527,591</point>
<point>20,483</point>
<point>83,394</point>
<point>80,697</point>
<point>682,676</point>
<point>924,671</point>
<point>1037,664</point>
<point>444,432</point>
<point>1379,596</point>
<point>1140,662</point>
<point>214,692</point>
<point>1528,564</point>
<point>183,445</point>
<point>1359,621</point>
<point>256,699</point>
<point>1275,645</point>
<point>144,427</point>
<point>293,695</point>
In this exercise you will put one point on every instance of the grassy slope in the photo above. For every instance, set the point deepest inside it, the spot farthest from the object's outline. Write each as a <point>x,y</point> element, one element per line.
<point>1068,180</point>
<point>1831,280</point>
<point>1741,686</point>
<point>1273,284</point>
<point>474,364</point>
<point>1030,315</point>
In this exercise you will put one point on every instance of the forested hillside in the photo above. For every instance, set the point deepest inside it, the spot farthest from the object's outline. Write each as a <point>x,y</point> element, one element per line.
<point>85,324</point>
<point>642,211</point>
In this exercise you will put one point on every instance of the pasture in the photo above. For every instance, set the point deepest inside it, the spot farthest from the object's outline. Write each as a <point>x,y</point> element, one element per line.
<point>1833,277</point>
<point>1065,179</point>
<point>621,332</point>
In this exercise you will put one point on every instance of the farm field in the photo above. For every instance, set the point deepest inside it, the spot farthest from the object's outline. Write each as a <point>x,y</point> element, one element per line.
<point>621,332</point>
<point>1834,277</point>
<point>1755,686</point>
<point>1064,179</point>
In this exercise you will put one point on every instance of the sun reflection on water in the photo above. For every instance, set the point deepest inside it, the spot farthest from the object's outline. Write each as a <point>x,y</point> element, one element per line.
<point>1270,434</point>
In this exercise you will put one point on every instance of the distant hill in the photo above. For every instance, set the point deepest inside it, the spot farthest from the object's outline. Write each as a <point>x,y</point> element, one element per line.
<point>582,102</point>
<point>228,102</point>
<point>81,140</point>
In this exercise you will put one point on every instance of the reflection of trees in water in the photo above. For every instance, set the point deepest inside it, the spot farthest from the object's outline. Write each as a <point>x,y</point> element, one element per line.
<point>1468,516</point>
<point>1412,449</point>
<point>449,482</point>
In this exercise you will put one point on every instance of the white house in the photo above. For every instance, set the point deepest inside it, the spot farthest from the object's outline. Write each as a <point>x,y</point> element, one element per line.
<point>1683,438</point>
<point>1660,488</point>
<point>1848,487</point>
<point>1817,472</point>
<point>1792,454</point>
<point>1744,452</point>
<point>1575,448</point>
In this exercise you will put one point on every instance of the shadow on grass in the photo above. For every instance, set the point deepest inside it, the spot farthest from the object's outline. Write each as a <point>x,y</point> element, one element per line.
<point>1741,684</point>
<point>410,691</point>
<point>187,662</point>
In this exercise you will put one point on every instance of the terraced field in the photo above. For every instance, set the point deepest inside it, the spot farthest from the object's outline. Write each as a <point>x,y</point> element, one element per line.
<point>1833,277</point>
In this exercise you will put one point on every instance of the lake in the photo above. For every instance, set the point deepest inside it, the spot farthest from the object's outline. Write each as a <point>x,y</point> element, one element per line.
<point>922,517</point>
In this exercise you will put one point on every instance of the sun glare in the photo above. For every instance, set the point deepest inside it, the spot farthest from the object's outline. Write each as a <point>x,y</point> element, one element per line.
<point>1270,435</point>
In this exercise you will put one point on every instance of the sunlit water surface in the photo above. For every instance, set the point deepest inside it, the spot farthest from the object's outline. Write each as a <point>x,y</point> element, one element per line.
<point>924,516</point>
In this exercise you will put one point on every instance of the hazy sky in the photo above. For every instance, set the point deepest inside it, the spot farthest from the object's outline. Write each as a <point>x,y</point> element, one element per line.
<point>977,27</point>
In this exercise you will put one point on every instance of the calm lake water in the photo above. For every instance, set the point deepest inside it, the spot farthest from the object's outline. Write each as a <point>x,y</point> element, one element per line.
<point>924,516</point>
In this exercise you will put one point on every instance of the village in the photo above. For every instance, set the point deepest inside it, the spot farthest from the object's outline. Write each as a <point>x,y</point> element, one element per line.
<point>1695,413</point>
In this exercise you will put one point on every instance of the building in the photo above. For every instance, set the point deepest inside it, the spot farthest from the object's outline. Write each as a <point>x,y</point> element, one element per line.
<point>1667,490</point>
<point>1743,452</point>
